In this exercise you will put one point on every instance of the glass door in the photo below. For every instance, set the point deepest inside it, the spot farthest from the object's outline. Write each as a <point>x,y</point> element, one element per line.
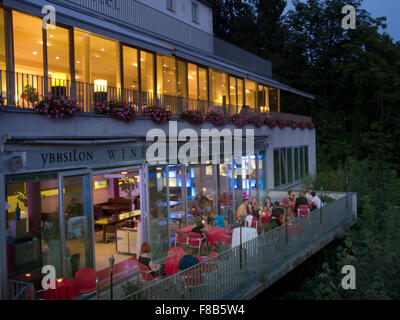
<point>75,198</point>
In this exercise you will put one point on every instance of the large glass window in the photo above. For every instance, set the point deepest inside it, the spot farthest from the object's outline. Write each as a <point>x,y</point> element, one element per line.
<point>290,165</point>
<point>28,58</point>
<point>263,98</point>
<point>147,71</point>
<point>193,82</point>
<point>277,175</point>
<point>283,166</point>
<point>218,87</point>
<point>58,63</point>
<point>306,159</point>
<point>2,53</point>
<point>240,93</point>
<point>33,226</point>
<point>159,237</point>
<point>274,99</point>
<point>97,61</point>
<point>203,84</point>
<point>296,164</point>
<point>182,79</point>
<point>262,176</point>
<point>251,93</point>
<point>166,76</point>
<point>131,73</point>
<point>232,91</point>
<point>302,171</point>
<point>225,191</point>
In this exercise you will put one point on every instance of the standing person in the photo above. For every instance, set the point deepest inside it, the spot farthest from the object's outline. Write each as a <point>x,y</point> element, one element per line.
<point>301,200</point>
<point>243,210</point>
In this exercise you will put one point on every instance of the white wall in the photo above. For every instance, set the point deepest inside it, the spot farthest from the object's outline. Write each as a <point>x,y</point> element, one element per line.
<point>183,12</point>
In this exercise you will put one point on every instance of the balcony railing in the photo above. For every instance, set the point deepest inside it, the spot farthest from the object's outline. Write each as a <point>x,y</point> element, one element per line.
<point>23,91</point>
<point>240,268</point>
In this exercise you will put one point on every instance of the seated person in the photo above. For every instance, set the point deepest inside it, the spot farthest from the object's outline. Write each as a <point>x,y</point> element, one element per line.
<point>300,200</point>
<point>254,210</point>
<point>309,196</point>
<point>243,210</point>
<point>276,217</point>
<point>219,221</point>
<point>316,201</point>
<point>188,260</point>
<point>199,228</point>
<point>145,260</point>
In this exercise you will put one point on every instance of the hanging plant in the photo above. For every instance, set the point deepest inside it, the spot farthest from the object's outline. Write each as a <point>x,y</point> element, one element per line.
<point>217,118</point>
<point>257,120</point>
<point>239,120</point>
<point>271,123</point>
<point>302,125</point>
<point>310,125</point>
<point>194,117</point>
<point>281,123</point>
<point>157,114</point>
<point>57,107</point>
<point>116,110</point>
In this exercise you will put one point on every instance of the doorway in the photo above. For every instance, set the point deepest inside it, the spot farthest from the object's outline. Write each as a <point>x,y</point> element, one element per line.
<point>116,201</point>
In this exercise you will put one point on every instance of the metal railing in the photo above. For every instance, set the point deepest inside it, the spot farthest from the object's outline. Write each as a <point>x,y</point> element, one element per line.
<point>22,91</point>
<point>241,267</point>
<point>21,290</point>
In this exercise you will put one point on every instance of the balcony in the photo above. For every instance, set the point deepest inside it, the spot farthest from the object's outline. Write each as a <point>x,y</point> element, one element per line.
<point>29,89</point>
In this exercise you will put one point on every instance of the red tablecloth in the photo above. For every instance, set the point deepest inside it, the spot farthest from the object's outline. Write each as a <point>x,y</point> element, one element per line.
<point>67,289</point>
<point>215,234</point>
<point>185,229</point>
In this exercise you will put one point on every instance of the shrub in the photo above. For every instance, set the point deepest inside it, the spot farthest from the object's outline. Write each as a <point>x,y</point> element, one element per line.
<point>239,120</point>
<point>116,110</point>
<point>57,107</point>
<point>257,120</point>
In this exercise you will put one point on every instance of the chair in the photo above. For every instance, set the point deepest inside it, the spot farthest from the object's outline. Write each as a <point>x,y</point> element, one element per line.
<point>87,281</point>
<point>227,238</point>
<point>211,264</point>
<point>181,238</point>
<point>195,241</point>
<point>146,273</point>
<point>176,252</point>
<point>110,230</point>
<point>303,210</point>
<point>193,279</point>
<point>251,222</point>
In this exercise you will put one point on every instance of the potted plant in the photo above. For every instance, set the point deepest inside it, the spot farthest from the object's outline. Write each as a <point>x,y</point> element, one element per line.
<point>194,117</point>
<point>257,120</point>
<point>116,110</point>
<point>157,114</point>
<point>30,94</point>
<point>216,118</point>
<point>57,107</point>
<point>239,120</point>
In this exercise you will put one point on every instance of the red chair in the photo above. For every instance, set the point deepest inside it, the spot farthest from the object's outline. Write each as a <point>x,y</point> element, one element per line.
<point>303,210</point>
<point>146,273</point>
<point>87,281</point>
<point>176,252</point>
<point>227,238</point>
<point>193,278</point>
<point>195,241</point>
<point>210,265</point>
<point>254,223</point>
<point>181,238</point>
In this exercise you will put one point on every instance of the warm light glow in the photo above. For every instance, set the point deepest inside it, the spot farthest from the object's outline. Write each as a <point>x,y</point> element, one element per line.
<point>34,53</point>
<point>100,85</point>
<point>58,79</point>
<point>28,275</point>
<point>124,172</point>
<point>59,280</point>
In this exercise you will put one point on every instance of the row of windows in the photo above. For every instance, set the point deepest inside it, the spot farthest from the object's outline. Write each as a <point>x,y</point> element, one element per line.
<point>195,9</point>
<point>290,165</point>
<point>106,63</point>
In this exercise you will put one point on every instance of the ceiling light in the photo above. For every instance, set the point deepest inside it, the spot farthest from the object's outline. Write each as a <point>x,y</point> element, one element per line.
<point>34,53</point>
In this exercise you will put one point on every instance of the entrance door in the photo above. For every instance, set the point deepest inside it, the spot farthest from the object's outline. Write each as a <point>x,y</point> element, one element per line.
<point>75,198</point>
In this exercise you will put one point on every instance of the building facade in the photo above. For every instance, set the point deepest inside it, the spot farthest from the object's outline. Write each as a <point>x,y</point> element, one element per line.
<point>61,181</point>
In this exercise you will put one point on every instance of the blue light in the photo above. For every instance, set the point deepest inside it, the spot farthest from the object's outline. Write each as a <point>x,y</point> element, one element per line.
<point>193,173</point>
<point>193,191</point>
<point>235,184</point>
<point>172,174</point>
<point>188,183</point>
<point>179,182</point>
<point>253,183</point>
<point>261,182</point>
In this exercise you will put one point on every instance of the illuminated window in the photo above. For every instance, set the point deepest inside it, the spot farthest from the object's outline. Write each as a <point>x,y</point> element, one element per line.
<point>218,87</point>
<point>182,79</point>
<point>251,93</point>
<point>96,60</point>
<point>131,67</point>
<point>240,92</point>
<point>274,97</point>
<point>147,71</point>
<point>2,51</point>
<point>232,91</point>
<point>263,98</point>
<point>28,44</point>
<point>58,60</point>
<point>203,84</point>
<point>166,76</point>
<point>193,81</point>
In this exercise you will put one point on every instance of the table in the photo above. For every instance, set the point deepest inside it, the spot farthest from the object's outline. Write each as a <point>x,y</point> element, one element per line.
<point>66,289</point>
<point>215,235</point>
<point>186,229</point>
